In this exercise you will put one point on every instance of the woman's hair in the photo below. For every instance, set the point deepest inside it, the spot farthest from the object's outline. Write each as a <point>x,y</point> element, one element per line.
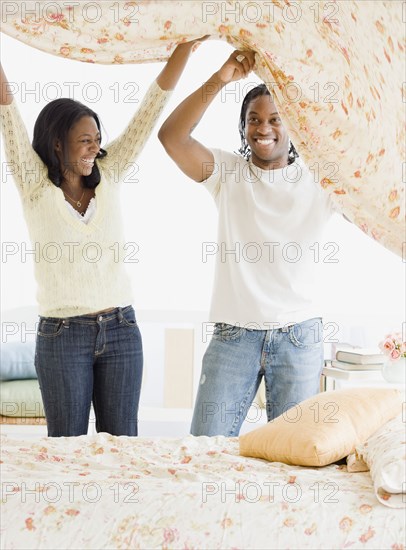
<point>52,125</point>
<point>245,149</point>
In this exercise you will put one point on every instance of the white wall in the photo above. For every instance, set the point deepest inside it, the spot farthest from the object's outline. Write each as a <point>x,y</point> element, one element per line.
<point>169,216</point>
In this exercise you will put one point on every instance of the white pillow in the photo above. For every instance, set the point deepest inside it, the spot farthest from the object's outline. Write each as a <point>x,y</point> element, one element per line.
<point>385,454</point>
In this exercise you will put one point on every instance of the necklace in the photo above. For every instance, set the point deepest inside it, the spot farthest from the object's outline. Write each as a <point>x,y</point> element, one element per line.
<point>79,202</point>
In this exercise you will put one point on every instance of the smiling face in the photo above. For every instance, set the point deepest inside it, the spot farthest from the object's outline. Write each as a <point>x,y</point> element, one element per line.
<point>265,134</point>
<point>81,148</point>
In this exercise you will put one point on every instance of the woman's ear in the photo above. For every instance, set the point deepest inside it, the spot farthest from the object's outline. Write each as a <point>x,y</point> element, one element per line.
<point>57,146</point>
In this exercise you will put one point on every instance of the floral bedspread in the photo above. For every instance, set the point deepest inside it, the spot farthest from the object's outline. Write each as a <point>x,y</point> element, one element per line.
<point>193,493</point>
<point>336,69</point>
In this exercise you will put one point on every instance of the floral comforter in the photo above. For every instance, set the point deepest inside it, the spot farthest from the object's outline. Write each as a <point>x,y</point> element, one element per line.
<point>110,492</point>
<point>336,69</point>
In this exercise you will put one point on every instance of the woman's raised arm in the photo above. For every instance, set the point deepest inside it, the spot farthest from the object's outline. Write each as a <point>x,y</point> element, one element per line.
<point>170,74</point>
<point>6,97</point>
<point>124,150</point>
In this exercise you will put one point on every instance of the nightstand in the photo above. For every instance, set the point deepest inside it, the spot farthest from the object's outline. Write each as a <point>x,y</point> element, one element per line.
<point>333,378</point>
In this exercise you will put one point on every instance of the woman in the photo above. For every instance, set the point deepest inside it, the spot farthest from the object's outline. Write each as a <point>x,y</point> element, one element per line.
<point>88,346</point>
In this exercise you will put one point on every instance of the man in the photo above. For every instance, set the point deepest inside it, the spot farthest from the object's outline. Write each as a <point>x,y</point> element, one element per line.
<point>271,214</point>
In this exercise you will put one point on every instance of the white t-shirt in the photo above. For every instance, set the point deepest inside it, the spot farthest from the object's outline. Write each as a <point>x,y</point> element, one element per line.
<point>269,239</point>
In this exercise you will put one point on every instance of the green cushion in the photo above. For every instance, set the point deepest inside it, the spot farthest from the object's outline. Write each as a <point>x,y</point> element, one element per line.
<point>21,398</point>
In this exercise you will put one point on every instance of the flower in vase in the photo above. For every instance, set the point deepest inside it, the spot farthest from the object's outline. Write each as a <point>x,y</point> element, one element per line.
<point>393,346</point>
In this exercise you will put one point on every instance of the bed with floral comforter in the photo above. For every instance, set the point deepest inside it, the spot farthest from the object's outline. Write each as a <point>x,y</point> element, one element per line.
<point>102,491</point>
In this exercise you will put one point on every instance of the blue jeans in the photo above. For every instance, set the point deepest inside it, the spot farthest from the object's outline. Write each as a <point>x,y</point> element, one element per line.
<point>290,359</point>
<point>90,358</point>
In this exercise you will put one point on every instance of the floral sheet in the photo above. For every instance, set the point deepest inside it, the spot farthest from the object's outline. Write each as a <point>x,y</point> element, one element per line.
<point>111,492</point>
<point>336,68</point>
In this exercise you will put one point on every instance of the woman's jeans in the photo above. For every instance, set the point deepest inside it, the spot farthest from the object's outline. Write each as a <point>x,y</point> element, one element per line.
<point>290,359</point>
<point>85,359</point>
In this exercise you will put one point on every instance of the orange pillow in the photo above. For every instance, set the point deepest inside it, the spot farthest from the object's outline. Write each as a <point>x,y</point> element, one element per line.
<point>323,428</point>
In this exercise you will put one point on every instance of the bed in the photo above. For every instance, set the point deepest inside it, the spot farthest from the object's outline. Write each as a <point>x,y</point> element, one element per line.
<point>106,492</point>
<point>103,491</point>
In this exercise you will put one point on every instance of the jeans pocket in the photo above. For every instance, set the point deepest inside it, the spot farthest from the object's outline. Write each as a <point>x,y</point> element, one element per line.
<point>224,332</point>
<point>129,318</point>
<point>307,334</point>
<point>50,328</point>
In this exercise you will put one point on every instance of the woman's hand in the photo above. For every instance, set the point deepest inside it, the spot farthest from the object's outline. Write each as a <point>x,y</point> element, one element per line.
<point>192,45</point>
<point>238,65</point>
<point>170,74</point>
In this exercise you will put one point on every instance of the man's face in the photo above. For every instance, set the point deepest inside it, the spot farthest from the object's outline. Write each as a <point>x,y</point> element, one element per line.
<point>265,134</point>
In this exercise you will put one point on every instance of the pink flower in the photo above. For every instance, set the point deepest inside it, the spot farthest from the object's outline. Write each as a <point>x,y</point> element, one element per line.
<point>226,522</point>
<point>394,346</point>
<point>387,345</point>
<point>368,535</point>
<point>346,524</point>
<point>64,50</point>
<point>72,512</point>
<point>29,523</point>
<point>395,354</point>
<point>394,213</point>
<point>57,16</point>
<point>170,535</point>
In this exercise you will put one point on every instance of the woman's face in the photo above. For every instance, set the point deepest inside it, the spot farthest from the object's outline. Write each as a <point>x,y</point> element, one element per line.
<point>82,146</point>
<point>265,134</point>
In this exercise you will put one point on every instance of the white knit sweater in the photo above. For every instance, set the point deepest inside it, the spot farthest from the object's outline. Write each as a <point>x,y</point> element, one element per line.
<point>79,267</point>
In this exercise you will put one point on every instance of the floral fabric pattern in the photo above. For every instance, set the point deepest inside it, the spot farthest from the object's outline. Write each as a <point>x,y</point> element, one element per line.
<point>385,454</point>
<point>336,70</point>
<point>104,491</point>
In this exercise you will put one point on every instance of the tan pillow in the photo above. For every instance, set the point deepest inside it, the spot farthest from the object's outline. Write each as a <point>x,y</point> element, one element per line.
<point>323,428</point>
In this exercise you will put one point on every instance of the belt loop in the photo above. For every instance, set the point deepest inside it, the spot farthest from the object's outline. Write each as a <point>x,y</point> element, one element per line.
<point>120,315</point>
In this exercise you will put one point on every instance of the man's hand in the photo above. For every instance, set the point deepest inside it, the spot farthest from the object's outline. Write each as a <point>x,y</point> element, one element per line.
<point>238,65</point>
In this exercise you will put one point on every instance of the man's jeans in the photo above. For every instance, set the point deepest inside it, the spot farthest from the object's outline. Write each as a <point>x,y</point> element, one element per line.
<point>290,359</point>
<point>90,358</point>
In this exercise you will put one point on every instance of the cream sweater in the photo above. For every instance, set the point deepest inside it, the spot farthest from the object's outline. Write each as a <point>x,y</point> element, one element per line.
<point>79,268</point>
